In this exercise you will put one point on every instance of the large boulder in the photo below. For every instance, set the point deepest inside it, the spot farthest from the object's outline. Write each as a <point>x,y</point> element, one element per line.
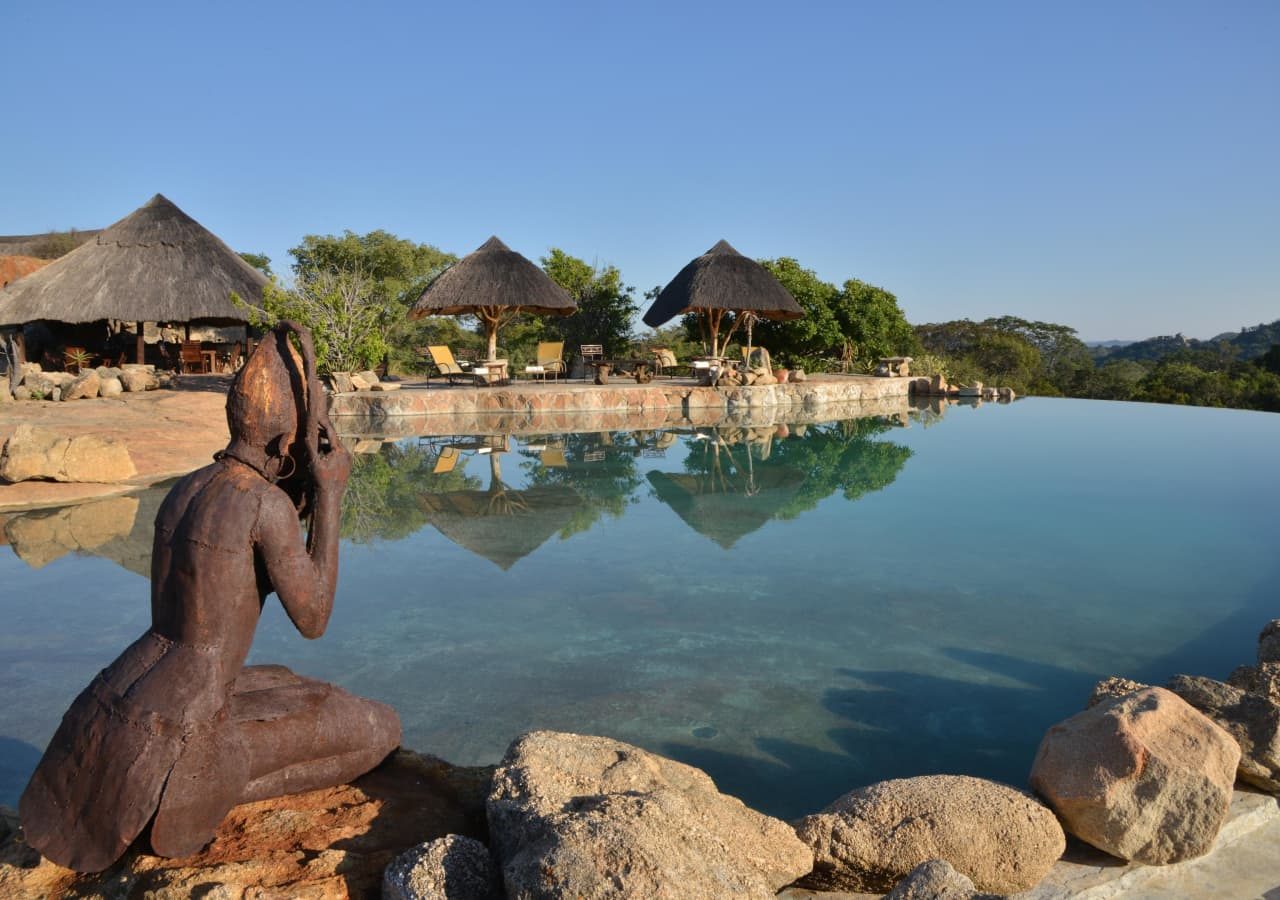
<point>453,867</point>
<point>1112,687</point>
<point>1269,642</point>
<point>84,387</point>
<point>110,387</point>
<point>40,384</point>
<point>42,453</point>
<point>589,817</point>
<point>1252,719</point>
<point>871,838</point>
<point>936,879</point>
<point>1143,776</point>
<point>138,380</point>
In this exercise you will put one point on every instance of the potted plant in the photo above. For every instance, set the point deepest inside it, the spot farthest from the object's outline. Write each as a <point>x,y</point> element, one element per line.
<point>780,375</point>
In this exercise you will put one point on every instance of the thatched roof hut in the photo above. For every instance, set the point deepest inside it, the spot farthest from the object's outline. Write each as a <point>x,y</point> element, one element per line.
<point>493,283</point>
<point>155,265</point>
<point>720,281</point>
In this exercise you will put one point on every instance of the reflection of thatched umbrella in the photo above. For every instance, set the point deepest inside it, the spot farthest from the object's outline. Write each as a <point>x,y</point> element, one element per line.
<point>726,509</point>
<point>503,526</point>
<point>155,265</point>
<point>494,284</point>
<point>720,281</point>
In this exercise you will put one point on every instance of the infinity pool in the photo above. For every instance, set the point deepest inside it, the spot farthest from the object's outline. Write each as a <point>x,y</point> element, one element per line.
<point>797,610</point>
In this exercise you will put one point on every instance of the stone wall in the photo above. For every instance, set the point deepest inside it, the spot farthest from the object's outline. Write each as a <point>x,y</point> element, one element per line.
<point>553,408</point>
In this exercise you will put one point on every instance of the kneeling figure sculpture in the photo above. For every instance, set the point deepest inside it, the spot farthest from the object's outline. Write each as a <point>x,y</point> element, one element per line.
<point>178,730</point>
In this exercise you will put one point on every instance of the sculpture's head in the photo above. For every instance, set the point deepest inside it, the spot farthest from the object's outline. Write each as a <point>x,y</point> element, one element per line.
<point>267,408</point>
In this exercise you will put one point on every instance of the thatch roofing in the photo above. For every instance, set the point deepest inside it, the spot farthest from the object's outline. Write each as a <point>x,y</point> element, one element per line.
<point>726,513</point>
<point>722,278</point>
<point>157,264</point>
<point>493,275</point>
<point>503,526</point>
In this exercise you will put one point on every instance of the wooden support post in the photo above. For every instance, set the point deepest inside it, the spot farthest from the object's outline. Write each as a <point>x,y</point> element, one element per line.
<point>140,346</point>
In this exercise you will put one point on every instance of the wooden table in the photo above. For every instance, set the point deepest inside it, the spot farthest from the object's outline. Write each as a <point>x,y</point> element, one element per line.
<point>210,360</point>
<point>490,371</point>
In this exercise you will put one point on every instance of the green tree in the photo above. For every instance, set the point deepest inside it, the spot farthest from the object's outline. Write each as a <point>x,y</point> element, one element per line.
<point>259,261</point>
<point>870,319</point>
<point>397,270</point>
<point>818,332</point>
<point>606,306</point>
<point>347,315</point>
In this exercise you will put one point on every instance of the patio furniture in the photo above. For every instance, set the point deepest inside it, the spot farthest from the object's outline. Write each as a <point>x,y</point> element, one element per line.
<point>590,353</point>
<point>192,358</point>
<point>447,459</point>
<point>640,369</point>
<point>446,365</point>
<point>548,362</point>
<point>490,372</point>
<point>894,366</point>
<point>665,362</point>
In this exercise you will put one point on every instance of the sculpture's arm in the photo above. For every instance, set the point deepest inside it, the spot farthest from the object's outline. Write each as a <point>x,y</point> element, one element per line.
<point>304,582</point>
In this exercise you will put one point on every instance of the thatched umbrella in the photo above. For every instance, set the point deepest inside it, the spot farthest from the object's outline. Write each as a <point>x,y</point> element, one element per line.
<point>721,281</point>
<point>495,284</point>
<point>725,510</point>
<point>157,264</point>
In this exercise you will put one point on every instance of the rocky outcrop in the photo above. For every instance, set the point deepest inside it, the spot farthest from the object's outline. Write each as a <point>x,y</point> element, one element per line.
<point>1264,679</point>
<point>933,880</point>
<point>1143,776</point>
<point>449,868</point>
<point>1113,687</point>
<point>42,453</point>
<point>578,816</point>
<point>1252,719</point>
<point>333,843</point>
<point>138,380</point>
<point>110,387</point>
<point>84,387</point>
<point>869,839</point>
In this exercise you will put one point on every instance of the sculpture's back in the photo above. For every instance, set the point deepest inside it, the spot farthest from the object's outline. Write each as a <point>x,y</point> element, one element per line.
<point>176,731</point>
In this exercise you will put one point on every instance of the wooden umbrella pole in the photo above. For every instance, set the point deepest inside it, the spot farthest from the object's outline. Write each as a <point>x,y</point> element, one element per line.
<point>140,346</point>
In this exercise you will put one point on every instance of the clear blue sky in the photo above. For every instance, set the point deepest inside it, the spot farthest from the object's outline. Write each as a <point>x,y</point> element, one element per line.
<point>1114,166</point>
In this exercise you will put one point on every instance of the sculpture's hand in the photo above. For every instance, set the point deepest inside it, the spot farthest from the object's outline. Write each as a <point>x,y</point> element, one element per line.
<point>332,469</point>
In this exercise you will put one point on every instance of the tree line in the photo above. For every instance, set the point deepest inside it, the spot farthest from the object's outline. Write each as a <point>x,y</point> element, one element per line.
<point>355,291</point>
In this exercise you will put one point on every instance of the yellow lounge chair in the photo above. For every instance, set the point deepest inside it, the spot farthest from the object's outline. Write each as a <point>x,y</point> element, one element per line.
<point>549,361</point>
<point>447,366</point>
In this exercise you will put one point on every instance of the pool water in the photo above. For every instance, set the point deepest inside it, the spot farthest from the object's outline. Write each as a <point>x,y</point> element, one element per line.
<point>797,610</point>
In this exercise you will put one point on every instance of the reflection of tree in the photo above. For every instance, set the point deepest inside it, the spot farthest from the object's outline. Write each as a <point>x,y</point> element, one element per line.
<point>600,468</point>
<point>737,479</point>
<point>381,499</point>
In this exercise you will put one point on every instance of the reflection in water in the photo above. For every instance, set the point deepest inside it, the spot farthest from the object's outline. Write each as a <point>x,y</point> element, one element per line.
<point>116,528</point>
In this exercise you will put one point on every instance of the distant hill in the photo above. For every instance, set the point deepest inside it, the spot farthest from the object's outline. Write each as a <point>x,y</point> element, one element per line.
<point>49,245</point>
<point>1249,343</point>
<point>1106,344</point>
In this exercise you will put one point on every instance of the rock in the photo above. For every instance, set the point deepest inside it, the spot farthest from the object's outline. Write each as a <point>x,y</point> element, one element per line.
<point>1252,719</point>
<point>933,880</point>
<point>41,536</point>
<point>1006,394</point>
<point>5,395</point>
<point>105,372</point>
<point>1143,777</point>
<point>449,868</point>
<point>332,843</point>
<point>1110,688</point>
<point>578,816</point>
<point>938,385</point>
<point>55,394</point>
<point>39,384</point>
<point>359,383</point>
<point>870,838</point>
<point>766,379</point>
<point>84,387</point>
<point>341,382</point>
<point>1264,679</point>
<point>27,368</point>
<point>42,453</point>
<point>384,386</point>
<point>22,392</point>
<point>369,376</point>
<point>799,375</point>
<point>110,387</point>
<point>1269,642</point>
<point>138,380</point>
<point>61,379</point>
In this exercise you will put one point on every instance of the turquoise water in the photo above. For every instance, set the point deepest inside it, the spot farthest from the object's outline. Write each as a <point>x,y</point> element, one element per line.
<point>850,602</point>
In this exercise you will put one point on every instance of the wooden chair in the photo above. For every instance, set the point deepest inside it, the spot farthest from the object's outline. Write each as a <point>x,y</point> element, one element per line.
<point>192,359</point>
<point>446,365</point>
<point>665,362</point>
<point>590,353</point>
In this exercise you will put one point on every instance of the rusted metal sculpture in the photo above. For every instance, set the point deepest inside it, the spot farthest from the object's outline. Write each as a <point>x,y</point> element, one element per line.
<point>177,730</point>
